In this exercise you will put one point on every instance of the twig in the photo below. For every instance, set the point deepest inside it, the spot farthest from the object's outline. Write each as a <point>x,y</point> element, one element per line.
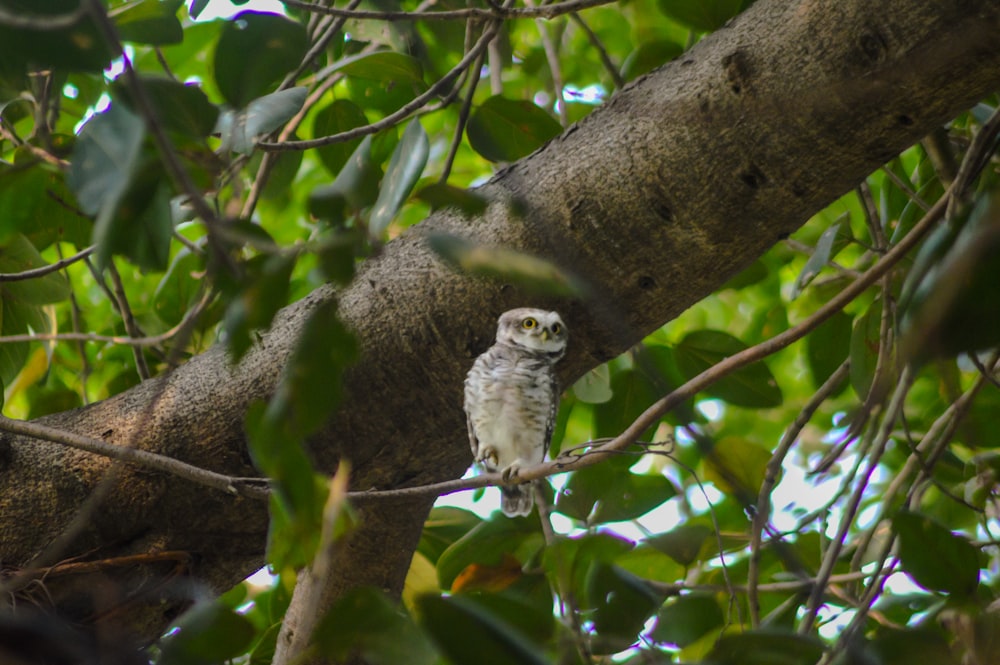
<point>773,468</point>
<point>42,271</point>
<point>494,12</point>
<point>23,21</point>
<point>854,502</point>
<point>249,487</point>
<point>463,117</point>
<point>602,52</point>
<point>397,116</point>
<point>154,340</point>
<point>131,327</point>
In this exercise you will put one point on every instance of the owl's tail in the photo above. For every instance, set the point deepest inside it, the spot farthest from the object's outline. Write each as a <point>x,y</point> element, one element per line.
<point>516,499</point>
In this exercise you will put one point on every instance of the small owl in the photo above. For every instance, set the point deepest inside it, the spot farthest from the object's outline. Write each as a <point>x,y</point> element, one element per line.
<point>511,399</point>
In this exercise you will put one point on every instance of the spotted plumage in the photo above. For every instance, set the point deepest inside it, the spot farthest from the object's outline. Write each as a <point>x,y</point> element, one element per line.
<point>511,399</point>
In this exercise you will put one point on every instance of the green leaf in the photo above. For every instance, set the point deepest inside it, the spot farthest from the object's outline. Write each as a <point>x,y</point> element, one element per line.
<point>752,386</point>
<point>263,115</point>
<point>142,226</point>
<point>952,309</point>
<point>388,66</point>
<point>737,466</point>
<point>601,493</point>
<point>576,556</point>
<point>648,56</point>
<point>149,22</point>
<point>310,384</point>
<point>182,108</point>
<point>594,387</point>
<point>650,564</point>
<point>104,159</point>
<point>766,647</point>
<point>469,635</point>
<point>905,647</point>
<point>364,623</point>
<point>255,51</point>
<point>296,504</point>
<point>702,15</point>
<point>684,543</point>
<point>32,202</point>
<point>206,634</point>
<point>77,48</point>
<point>528,272</point>
<point>338,117</point>
<point>255,303</point>
<point>687,619</point>
<point>18,255</point>
<point>864,348</point>
<point>504,130</point>
<point>618,604</point>
<point>934,557</point>
<point>485,544</point>
<point>828,347</point>
<point>355,188</point>
<point>444,527</point>
<point>407,163</point>
<point>818,260</point>
<point>468,203</point>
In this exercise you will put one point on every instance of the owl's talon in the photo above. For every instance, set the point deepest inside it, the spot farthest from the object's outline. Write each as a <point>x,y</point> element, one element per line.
<point>509,475</point>
<point>488,456</point>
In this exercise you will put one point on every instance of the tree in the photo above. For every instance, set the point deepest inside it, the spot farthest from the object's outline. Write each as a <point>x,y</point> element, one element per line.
<point>235,167</point>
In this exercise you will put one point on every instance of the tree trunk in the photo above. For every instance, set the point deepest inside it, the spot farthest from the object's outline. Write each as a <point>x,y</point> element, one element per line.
<point>655,199</point>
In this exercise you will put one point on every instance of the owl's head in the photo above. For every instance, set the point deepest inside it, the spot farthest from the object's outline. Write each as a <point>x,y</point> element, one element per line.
<point>533,329</point>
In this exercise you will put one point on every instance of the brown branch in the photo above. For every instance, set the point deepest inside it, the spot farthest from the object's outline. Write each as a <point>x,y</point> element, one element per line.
<point>654,413</point>
<point>22,21</point>
<point>42,271</point>
<point>249,487</point>
<point>398,116</point>
<point>494,12</point>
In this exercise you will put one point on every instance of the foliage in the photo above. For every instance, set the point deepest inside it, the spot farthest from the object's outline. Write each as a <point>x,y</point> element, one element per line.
<point>178,164</point>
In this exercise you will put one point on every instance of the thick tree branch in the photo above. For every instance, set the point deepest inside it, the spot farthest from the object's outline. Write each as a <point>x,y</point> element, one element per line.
<point>682,179</point>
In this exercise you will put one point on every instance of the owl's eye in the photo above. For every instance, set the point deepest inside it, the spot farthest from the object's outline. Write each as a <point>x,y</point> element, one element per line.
<point>529,323</point>
<point>556,328</point>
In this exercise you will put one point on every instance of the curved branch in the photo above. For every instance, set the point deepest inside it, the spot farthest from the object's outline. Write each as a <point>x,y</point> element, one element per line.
<point>493,13</point>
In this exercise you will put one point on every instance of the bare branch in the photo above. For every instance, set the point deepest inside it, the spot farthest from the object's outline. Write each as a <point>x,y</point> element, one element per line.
<point>249,487</point>
<point>494,12</point>
<point>398,116</point>
<point>47,269</point>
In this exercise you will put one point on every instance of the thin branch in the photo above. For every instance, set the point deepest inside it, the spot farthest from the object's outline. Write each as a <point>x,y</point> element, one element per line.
<point>24,21</point>
<point>131,327</point>
<point>602,52</point>
<point>463,117</point>
<point>494,12</point>
<point>42,271</point>
<point>850,511</point>
<point>773,469</point>
<point>154,340</point>
<point>248,487</point>
<point>652,415</point>
<point>398,116</point>
<point>675,588</point>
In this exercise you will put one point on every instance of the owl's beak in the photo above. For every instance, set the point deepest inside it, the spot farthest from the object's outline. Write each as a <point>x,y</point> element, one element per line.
<point>545,335</point>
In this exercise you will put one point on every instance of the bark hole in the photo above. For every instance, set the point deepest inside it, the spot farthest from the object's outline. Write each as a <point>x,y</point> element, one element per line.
<point>753,177</point>
<point>646,282</point>
<point>873,45</point>
<point>738,71</point>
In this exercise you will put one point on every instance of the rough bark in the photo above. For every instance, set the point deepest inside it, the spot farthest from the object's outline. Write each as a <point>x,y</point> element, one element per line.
<point>674,185</point>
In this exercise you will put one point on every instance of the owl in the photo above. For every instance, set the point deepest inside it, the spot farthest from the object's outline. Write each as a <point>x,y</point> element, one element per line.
<point>511,399</point>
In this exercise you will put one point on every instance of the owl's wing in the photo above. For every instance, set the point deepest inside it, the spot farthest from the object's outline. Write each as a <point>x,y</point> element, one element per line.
<point>550,424</point>
<point>473,439</point>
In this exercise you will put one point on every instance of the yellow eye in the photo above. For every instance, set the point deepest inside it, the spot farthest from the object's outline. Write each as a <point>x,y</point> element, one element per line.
<point>556,328</point>
<point>529,323</point>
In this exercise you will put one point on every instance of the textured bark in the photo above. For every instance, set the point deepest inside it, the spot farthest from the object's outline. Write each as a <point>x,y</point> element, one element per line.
<point>655,199</point>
